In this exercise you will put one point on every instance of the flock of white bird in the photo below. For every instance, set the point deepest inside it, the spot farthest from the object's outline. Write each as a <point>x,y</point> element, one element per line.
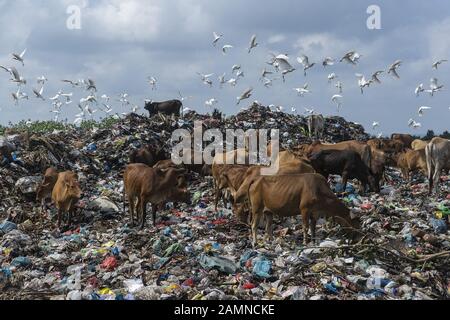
<point>280,64</point>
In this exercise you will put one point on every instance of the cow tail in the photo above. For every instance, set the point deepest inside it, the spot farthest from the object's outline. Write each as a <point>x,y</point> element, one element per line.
<point>429,157</point>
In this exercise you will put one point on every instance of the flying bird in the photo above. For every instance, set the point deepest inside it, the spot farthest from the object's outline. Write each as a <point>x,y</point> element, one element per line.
<point>419,89</point>
<point>264,74</point>
<point>376,75</point>
<point>253,43</point>
<point>73,83</point>
<point>205,78</point>
<point>17,78</point>
<point>105,97</point>
<point>437,63</point>
<point>236,67</point>
<point>309,111</point>
<point>393,68</point>
<point>375,125</point>
<point>328,61</point>
<point>217,37</point>
<point>211,102</point>
<point>245,95</point>
<point>41,80</point>
<point>152,81</point>
<point>337,100</point>
<point>413,124</point>
<point>301,91</point>
<point>422,109</point>
<point>339,86</point>
<point>232,82</point>
<point>225,48</point>
<point>362,82</point>
<point>434,86</point>
<point>331,77</point>
<point>39,93</point>
<point>351,57</point>
<point>240,73</point>
<point>267,82</point>
<point>90,85</point>
<point>304,60</point>
<point>20,57</point>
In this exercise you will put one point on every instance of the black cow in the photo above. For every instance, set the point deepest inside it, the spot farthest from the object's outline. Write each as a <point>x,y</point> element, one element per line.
<point>346,163</point>
<point>171,107</point>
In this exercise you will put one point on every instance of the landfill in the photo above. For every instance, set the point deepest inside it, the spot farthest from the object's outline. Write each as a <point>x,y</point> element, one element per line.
<point>196,253</point>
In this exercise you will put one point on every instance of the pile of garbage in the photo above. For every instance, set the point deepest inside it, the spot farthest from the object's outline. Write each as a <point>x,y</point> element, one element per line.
<point>196,253</point>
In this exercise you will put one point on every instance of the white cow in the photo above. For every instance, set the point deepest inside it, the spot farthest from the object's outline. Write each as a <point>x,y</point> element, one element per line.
<point>438,159</point>
<point>316,126</point>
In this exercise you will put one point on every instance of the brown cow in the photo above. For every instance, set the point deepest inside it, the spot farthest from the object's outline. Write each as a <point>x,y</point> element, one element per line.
<point>154,186</point>
<point>438,159</point>
<point>66,194</point>
<point>305,194</point>
<point>223,160</point>
<point>148,155</point>
<point>241,196</point>
<point>406,139</point>
<point>412,160</point>
<point>345,163</point>
<point>419,144</point>
<point>45,190</point>
<point>378,163</point>
<point>360,147</point>
<point>386,145</point>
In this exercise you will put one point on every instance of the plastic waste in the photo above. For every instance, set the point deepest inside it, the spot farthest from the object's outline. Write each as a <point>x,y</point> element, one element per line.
<point>222,264</point>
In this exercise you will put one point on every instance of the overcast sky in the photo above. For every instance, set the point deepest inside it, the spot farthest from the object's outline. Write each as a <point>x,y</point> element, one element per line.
<point>121,43</point>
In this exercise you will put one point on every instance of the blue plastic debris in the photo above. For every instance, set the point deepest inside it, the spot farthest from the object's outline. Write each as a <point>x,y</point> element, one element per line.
<point>7,226</point>
<point>262,267</point>
<point>439,225</point>
<point>21,262</point>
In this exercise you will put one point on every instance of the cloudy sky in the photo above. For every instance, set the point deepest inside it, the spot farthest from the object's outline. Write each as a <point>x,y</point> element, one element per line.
<point>121,43</point>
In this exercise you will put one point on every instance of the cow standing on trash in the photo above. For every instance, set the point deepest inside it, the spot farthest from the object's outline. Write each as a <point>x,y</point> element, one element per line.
<point>169,108</point>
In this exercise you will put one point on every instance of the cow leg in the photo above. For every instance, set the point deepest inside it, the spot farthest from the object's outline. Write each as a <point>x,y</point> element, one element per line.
<point>216,198</point>
<point>305,225</point>
<point>255,225</point>
<point>344,181</point>
<point>154,210</point>
<point>436,177</point>
<point>59,217</point>
<point>143,209</point>
<point>269,225</point>
<point>132,205</point>
<point>312,226</point>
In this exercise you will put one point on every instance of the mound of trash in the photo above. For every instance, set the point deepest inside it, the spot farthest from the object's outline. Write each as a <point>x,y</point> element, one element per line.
<point>194,252</point>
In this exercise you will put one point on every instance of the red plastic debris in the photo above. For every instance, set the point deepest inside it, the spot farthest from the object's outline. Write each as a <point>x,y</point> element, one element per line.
<point>93,281</point>
<point>189,283</point>
<point>366,206</point>
<point>109,263</point>
<point>220,221</point>
<point>249,286</point>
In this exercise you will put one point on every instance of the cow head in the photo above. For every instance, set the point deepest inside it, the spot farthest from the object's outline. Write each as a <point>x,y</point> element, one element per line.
<point>373,183</point>
<point>73,188</point>
<point>181,195</point>
<point>241,212</point>
<point>150,106</point>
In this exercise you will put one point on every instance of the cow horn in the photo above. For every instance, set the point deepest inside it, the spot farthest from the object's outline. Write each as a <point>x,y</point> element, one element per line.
<point>353,216</point>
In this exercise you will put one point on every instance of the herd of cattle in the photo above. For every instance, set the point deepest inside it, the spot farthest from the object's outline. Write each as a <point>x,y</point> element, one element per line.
<point>299,188</point>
